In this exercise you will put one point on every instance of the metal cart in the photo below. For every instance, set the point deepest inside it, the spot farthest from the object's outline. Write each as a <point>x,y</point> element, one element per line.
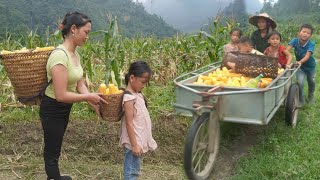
<point>210,104</point>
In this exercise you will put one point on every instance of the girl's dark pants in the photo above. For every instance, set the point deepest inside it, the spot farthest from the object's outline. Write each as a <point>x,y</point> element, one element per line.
<point>54,119</point>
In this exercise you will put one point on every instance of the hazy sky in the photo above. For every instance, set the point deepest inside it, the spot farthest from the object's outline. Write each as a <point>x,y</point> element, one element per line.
<point>259,0</point>
<point>191,15</point>
<point>147,0</point>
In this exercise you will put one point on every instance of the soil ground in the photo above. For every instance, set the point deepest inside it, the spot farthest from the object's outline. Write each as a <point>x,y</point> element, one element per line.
<point>91,151</point>
<point>238,146</point>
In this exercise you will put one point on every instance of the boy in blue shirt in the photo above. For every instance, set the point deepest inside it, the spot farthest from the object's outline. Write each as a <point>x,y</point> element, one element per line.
<point>303,49</point>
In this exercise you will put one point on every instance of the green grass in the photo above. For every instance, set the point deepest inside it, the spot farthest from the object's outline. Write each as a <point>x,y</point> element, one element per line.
<point>316,39</point>
<point>283,152</point>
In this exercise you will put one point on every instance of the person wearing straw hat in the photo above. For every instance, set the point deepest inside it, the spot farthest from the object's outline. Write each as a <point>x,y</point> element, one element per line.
<point>265,24</point>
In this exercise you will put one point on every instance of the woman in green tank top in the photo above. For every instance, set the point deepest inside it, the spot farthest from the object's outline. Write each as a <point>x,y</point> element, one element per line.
<point>67,87</point>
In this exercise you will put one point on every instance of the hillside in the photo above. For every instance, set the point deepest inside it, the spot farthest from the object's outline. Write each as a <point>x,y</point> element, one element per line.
<point>22,15</point>
<point>299,12</point>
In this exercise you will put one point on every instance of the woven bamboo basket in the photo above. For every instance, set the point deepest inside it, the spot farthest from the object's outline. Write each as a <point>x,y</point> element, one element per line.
<point>113,110</point>
<point>252,65</point>
<point>27,73</point>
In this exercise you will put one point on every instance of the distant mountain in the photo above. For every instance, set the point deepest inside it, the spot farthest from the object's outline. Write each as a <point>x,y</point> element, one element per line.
<point>253,6</point>
<point>21,16</point>
<point>191,15</point>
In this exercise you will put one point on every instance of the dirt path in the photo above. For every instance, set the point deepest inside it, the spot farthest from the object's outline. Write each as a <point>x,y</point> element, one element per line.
<point>244,137</point>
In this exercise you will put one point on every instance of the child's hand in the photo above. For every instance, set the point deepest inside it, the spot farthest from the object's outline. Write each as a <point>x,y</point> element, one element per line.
<point>232,65</point>
<point>136,150</point>
<point>297,64</point>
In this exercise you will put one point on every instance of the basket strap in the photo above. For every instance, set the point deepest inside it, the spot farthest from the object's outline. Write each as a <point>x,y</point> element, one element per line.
<point>43,89</point>
<point>122,112</point>
<point>144,98</point>
<point>128,92</point>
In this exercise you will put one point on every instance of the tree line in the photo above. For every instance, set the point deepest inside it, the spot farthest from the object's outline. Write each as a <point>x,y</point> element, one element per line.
<point>22,16</point>
<point>298,10</point>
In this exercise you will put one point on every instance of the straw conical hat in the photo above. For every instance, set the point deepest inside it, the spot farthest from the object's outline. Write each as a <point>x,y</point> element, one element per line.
<point>254,20</point>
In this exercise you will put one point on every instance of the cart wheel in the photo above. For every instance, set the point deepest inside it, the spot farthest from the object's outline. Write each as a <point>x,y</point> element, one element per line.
<point>292,104</point>
<point>202,146</point>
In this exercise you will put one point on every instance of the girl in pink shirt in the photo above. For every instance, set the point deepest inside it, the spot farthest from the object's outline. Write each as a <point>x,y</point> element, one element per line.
<point>136,132</point>
<point>232,46</point>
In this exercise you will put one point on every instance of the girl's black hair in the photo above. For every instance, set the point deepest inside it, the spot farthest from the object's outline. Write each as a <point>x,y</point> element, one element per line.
<point>236,29</point>
<point>137,68</point>
<point>273,33</point>
<point>73,18</point>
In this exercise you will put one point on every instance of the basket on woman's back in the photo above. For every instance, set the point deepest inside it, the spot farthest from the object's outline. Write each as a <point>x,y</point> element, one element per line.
<point>27,73</point>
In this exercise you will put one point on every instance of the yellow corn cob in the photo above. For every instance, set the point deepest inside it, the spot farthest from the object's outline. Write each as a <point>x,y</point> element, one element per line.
<point>22,50</point>
<point>44,48</point>
<point>6,52</point>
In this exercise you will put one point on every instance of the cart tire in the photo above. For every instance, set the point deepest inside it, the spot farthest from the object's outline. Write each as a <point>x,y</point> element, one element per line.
<point>199,155</point>
<point>292,104</point>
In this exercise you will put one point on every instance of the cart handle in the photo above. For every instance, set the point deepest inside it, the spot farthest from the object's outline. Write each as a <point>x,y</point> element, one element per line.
<point>184,107</point>
<point>210,92</point>
<point>196,109</point>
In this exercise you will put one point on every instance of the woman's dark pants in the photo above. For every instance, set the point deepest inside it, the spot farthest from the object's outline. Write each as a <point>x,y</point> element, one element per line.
<point>54,119</point>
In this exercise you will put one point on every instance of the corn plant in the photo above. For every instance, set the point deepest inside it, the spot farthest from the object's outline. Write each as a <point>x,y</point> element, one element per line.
<point>86,54</point>
<point>111,45</point>
<point>53,39</point>
<point>33,40</point>
<point>216,38</point>
<point>9,43</point>
<point>110,54</point>
<point>2,70</point>
<point>288,32</point>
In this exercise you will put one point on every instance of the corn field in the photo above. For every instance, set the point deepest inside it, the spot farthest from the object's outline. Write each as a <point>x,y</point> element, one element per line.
<point>106,56</point>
